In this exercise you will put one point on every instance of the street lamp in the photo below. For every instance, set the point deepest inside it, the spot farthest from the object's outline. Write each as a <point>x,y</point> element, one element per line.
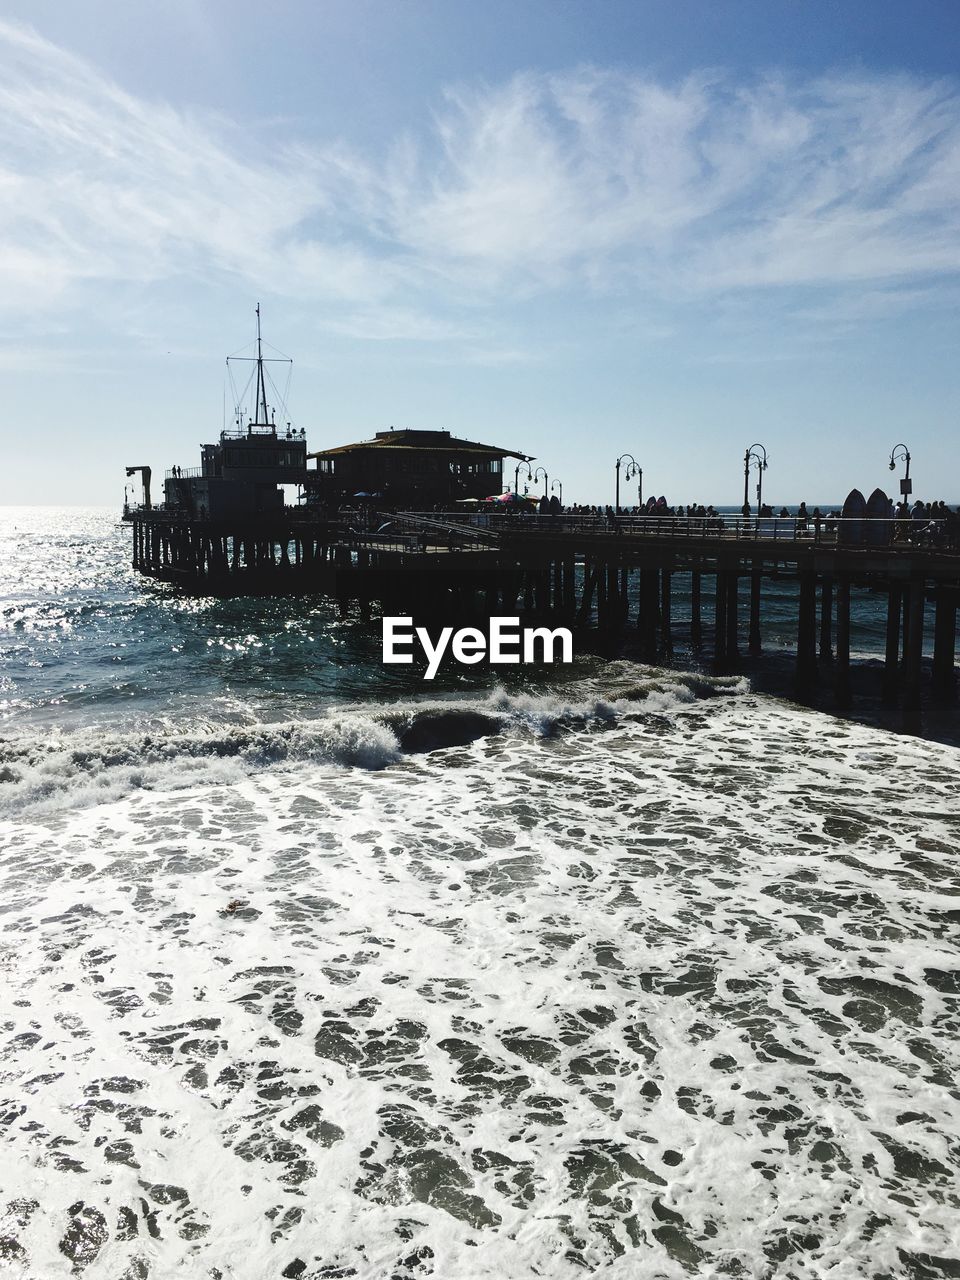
<point>753,459</point>
<point>558,484</point>
<point>633,469</point>
<point>906,488</point>
<point>546,479</point>
<point>516,475</point>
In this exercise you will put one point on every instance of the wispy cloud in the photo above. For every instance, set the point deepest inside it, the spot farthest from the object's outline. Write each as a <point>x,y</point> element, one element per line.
<point>604,182</point>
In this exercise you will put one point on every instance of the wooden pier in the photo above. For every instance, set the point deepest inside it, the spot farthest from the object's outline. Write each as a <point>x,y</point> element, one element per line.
<point>613,578</point>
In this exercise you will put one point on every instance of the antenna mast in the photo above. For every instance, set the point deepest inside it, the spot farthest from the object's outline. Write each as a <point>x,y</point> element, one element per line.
<point>261,384</point>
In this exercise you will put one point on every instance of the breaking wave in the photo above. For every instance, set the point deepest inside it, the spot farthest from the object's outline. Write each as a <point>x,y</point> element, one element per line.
<point>45,774</point>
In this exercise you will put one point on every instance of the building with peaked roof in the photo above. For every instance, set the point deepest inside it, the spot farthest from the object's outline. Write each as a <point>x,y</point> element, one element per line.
<point>408,468</point>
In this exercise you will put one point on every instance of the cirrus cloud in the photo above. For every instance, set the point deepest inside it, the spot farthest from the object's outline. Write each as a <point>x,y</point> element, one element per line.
<point>593,180</point>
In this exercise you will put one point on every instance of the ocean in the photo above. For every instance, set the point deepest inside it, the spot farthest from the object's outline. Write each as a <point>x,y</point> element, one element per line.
<point>311,969</point>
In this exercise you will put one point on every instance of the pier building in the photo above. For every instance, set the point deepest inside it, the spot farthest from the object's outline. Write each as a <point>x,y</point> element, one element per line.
<point>409,468</point>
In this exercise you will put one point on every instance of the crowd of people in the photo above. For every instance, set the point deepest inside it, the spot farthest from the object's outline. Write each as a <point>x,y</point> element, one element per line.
<point>931,523</point>
<point>923,524</point>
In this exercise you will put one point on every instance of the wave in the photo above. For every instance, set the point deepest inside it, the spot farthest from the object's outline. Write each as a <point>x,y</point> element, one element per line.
<point>60,771</point>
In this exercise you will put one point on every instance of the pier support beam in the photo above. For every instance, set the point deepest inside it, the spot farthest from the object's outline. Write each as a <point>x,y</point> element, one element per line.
<point>696,625</point>
<point>826,618</point>
<point>732,590</point>
<point>807,632</point>
<point>720,624</point>
<point>614,606</point>
<point>891,664</point>
<point>945,643</point>
<point>649,613</point>
<point>589,585</point>
<point>913,657</point>
<point>841,672</point>
<point>755,639</point>
<point>606,596</point>
<point>570,585</point>
<point>665,601</point>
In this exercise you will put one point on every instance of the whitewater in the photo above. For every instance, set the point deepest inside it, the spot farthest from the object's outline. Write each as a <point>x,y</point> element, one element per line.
<point>633,972</point>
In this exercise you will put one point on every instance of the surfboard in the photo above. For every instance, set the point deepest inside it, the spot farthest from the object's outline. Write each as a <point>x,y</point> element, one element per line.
<point>878,529</point>
<point>851,530</point>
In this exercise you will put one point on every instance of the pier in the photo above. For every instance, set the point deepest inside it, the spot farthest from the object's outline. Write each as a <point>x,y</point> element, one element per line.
<point>613,577</point>
<point>223,529</point>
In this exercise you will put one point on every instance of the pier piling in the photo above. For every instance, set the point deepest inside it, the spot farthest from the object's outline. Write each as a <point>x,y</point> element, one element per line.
<point>826,617</point>
<point>841,672</point>
<point>756,578</point>
<point>806,632</point>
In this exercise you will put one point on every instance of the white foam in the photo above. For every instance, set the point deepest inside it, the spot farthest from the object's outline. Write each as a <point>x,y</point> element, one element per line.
<point>511,978</point>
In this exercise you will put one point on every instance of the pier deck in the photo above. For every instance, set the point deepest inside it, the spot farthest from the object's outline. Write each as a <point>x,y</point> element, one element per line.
<point>607,575</point>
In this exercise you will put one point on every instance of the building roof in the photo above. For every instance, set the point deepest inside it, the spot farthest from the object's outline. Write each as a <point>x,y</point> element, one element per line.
<point>435,441</point>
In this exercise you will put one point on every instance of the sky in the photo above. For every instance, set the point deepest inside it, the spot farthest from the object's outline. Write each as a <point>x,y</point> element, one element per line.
<point>669,228</point>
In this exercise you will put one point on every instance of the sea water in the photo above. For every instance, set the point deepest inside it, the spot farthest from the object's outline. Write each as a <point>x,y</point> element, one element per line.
<point>614,971</point>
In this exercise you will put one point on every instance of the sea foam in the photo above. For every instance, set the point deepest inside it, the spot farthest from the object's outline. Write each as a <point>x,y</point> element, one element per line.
<point>658,996</point>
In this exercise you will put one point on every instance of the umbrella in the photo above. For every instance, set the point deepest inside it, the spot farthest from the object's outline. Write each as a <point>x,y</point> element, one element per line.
<point>509,499</point>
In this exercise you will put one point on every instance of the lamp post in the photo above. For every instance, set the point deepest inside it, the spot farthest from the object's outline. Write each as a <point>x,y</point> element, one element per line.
<point>546,479</point>
<point>633,469</point>
<point>906,488</point>
<point>758,460</point>
<point>558,484</point>
<point>516,475</point>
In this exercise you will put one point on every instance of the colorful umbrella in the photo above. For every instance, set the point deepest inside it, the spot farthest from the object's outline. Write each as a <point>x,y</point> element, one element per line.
<point>510,499</point>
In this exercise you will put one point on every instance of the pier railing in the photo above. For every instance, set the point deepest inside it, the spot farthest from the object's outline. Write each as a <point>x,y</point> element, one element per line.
<point>828,530</point>
<point>485,530</point>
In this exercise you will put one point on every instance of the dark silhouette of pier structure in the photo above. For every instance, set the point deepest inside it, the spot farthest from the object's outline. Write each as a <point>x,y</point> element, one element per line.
<point>614,578</point>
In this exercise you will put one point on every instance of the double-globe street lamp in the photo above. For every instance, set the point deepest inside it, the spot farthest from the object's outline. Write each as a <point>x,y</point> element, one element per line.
<point>759,460</point>
<point>516,475</point>
<point>558,484</point>
<point>633,469</point>
<point>906,488</point>
<point>546,479</point>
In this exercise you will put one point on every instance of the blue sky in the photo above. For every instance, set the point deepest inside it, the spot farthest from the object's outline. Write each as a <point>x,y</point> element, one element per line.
<point>570,228</point>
